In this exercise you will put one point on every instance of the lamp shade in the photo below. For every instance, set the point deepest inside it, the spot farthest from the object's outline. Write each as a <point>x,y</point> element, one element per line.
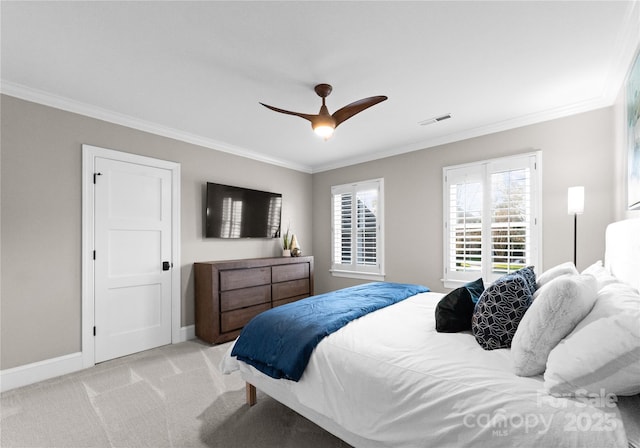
<point>575,200</point>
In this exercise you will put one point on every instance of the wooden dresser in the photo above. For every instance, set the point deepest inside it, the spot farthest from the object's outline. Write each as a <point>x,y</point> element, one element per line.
<point>229,293</point>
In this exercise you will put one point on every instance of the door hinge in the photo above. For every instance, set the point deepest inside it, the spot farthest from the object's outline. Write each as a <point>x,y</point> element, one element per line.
<point>94,254</point>
<point>94,176</point>
<point>94,331</point>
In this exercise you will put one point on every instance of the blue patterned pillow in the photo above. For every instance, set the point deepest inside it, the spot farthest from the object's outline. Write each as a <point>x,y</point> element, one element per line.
<point>529,276</point>
<point>500,309</point>
<point>476,288</point>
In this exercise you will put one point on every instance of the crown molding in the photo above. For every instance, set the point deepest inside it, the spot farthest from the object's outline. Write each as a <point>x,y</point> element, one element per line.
<point>59,102</point>
<point>501,126</point>
<point>606,99</point>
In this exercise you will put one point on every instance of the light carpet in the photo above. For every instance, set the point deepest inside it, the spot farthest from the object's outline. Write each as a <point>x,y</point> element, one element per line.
<point>172,396</point>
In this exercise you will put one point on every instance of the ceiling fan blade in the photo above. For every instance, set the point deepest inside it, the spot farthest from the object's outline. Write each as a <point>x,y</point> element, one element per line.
<point>350,110</point>
<point>309,117</point>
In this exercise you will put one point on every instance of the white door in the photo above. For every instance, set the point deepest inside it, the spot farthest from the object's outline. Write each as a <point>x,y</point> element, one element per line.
<point>132,217</point>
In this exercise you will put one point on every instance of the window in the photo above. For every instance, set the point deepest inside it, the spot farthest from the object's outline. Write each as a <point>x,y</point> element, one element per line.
<point>491,218</point>
<point>357,217</point>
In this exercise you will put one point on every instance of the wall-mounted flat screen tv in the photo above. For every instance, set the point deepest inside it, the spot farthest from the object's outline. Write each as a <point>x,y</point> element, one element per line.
<point>235,212</point>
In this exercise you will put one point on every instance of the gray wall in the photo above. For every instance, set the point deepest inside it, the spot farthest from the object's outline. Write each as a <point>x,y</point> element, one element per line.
<point>578,150</point>
<point>41,216</point>
<point>41,219</point>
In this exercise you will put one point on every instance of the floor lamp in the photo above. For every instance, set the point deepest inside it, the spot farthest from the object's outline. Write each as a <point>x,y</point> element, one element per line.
<point>575,207</point>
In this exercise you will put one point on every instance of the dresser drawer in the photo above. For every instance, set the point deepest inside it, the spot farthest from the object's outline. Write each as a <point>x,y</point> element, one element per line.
<point>293,288</point>
<point>241,298</point>
<point>243,278</point>
<point>289,300</point>
<point>232,320</point>
<point>286,272</point>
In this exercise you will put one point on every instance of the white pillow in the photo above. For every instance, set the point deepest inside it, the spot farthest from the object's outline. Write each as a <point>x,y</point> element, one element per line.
<point>602,275</point>
<point>614,298</point>
<point>602,354</point>
<point>554,272</point>
<point>560,305</point>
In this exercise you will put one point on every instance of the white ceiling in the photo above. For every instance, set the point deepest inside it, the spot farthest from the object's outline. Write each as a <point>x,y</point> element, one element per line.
<point>197,70</point>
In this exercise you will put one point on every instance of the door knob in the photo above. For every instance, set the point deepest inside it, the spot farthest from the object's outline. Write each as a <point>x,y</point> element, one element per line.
<point>166,265</point>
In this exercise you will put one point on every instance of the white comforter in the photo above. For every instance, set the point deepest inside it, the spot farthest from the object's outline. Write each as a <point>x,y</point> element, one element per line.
<point>389,379</point>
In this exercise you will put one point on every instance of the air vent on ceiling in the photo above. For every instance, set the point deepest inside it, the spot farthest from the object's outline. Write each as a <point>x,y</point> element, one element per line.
<point>434,119</point>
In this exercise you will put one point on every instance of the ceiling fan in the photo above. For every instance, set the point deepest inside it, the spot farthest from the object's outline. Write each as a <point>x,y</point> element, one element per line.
<point>324,123</point>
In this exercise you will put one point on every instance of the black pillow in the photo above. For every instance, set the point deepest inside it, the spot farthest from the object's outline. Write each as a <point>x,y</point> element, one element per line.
<point>454,311</point>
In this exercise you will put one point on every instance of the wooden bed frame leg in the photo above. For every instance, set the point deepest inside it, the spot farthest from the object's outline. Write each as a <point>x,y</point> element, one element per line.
<point>251,394</point>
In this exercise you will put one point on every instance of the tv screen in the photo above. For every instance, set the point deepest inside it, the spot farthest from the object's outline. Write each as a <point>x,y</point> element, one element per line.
<point>235,212</point>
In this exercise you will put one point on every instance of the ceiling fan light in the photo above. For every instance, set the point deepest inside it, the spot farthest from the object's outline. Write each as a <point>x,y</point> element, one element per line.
<point>323,123</point>
<point>325,131</point>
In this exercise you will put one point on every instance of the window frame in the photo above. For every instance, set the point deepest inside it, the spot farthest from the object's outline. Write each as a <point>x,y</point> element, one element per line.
<point>354,269</point>
<point>484,169</point>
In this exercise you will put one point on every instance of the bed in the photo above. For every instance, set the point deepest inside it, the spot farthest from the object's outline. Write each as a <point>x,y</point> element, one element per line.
<point>388,379</point>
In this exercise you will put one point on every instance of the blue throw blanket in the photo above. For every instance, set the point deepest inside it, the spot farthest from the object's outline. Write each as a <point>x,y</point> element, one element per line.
<point>279,342</point>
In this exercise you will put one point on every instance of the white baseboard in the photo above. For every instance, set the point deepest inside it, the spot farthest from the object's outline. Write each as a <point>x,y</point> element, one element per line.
<point>39,371</point>
<point>187,333</point>
<point>50,368</point>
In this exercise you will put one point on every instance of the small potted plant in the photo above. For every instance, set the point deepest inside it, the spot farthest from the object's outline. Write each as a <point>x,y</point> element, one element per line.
<point>286,244</point>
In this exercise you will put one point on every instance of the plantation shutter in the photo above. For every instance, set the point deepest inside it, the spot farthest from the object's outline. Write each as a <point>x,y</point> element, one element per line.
<point>357,228</point>
<point>367,227</point>
<point>510,220</point>
<point>463,187</point>
<point>342,224</point>
<point>490,211</point>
